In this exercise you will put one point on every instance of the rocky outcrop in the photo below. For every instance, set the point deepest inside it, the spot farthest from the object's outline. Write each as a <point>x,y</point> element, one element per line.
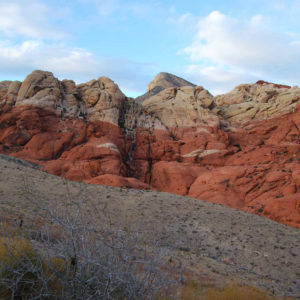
<point>97,100</point>
<point>256,102</point>
<point>167,80</point>
<point>160,82</point>
<point>9,91</point>
<point>241,149</point>
<point>103,100</point>
<point>182,107</point>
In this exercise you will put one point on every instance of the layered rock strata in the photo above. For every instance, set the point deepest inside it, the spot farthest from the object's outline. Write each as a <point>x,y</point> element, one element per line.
<point>241,149</point>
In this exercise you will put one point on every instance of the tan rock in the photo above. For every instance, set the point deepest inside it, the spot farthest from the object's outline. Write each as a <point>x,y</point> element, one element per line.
<point>103,100</point>
<point>35,82</point>
<point>256,102</point>
<point>71,104</point>
<point>14,88</point>
<point>3,91</point>
<point>167,80</point>
<point>40,89</point>
<point>160,82</point>
<point>4,85</point>
<point>9,91</point>
<point>69,86</point>
<point>182,107</point>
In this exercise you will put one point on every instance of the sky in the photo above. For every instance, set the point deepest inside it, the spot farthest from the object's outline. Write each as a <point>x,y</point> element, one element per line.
<point>215,44</point>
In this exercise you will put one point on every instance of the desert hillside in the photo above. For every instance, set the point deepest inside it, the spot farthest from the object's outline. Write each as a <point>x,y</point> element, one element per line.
<point>240,149</point>
<point>216,244</point>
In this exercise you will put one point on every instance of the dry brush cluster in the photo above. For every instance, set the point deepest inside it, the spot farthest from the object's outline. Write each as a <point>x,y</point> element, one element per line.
<point>81,263</point>
<point>76,254</point>
<point>77,251</point>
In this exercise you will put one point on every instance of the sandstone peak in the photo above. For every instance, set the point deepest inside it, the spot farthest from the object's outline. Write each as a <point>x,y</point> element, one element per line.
<point>161,82</point>
<point>166,80</point>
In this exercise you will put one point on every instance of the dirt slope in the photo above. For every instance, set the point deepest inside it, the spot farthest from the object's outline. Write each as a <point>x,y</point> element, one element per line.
<point>215,242</point>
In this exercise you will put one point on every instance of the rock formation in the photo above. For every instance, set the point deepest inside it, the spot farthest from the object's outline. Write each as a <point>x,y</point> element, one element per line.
<point>241,149</point>
<point>160,82</point>
<point>167,80</point>
<point>256,102</point>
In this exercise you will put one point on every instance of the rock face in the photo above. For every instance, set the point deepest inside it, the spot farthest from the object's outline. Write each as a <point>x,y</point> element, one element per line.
<point>256,102</point>
<point>241,149</point>
<point>167,80</point>
<point>103,100</point>
<point>163,81</point>
<point>182,107</point>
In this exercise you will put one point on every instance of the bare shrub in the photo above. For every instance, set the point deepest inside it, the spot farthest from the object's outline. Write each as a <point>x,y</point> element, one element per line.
<point>21,270</point>
<point>77,254</point>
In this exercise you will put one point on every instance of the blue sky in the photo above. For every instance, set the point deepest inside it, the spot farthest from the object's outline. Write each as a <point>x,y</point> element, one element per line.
<point>216,44</point>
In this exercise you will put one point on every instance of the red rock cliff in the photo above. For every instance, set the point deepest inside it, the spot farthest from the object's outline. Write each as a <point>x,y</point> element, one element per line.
<point>241,149</point>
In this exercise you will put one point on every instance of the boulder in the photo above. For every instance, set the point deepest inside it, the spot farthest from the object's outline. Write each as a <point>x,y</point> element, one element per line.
<point>103,100</point>
<point>115,180</point>
<point>40,89</point>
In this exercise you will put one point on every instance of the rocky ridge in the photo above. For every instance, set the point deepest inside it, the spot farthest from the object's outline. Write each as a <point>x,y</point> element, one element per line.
<point>241,149</point>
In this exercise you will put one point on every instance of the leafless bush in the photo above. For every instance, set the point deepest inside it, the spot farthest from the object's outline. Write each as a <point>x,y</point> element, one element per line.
<point>77,254</point>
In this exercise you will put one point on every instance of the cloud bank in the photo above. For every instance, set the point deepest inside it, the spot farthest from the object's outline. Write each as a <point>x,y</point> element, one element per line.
<point>227,51</point>
<point>29,19</point>
<point>32,40</point>
<point>73,63</point>
<point>224,51</point>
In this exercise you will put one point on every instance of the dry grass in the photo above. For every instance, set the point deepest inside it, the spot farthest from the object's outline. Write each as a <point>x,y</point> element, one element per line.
<point>198,291</point>
<point>13,249</point>
<point>24,273</point>
<point>236,292</point>
<point>20,268</point>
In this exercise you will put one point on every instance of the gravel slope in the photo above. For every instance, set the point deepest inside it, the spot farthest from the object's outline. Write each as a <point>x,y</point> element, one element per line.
<point>215,242</point>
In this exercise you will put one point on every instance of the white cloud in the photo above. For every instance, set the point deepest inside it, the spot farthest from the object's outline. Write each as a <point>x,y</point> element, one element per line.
<point>27,18</point>
<point>32,41</point>
<point>216,79</point>
<point>81,65</point>
<point>247,50</point>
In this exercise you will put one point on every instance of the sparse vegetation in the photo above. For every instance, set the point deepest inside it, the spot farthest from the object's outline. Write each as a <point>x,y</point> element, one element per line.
<point>70,258</point>
<point>199,291</point>
<point>84,264</point>
<point>83,249</point>
<point>27,274</point>
<point>20,269</point>
<point>237,292</point>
